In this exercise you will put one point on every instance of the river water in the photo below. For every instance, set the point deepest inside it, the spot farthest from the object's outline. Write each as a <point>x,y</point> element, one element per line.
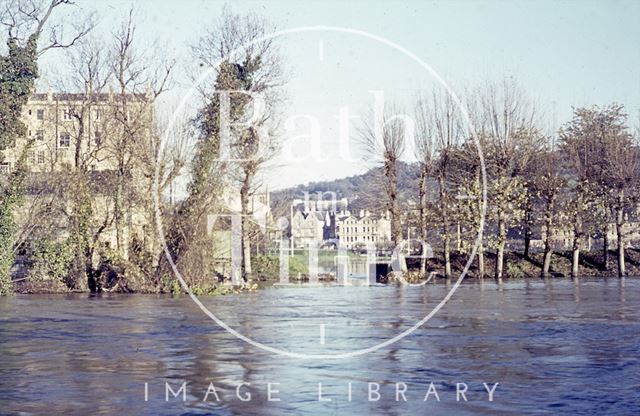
<point>553,347</point>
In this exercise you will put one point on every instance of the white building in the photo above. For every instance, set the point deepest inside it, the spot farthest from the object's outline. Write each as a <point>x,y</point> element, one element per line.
<point>308,228</point>
<point>363,229</point>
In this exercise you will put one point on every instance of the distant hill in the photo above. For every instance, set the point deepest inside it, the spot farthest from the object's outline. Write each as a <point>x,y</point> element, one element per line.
<point>363,191</point>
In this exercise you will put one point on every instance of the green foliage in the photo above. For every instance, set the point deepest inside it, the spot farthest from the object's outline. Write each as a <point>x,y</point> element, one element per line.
<point>80,239</point>
<point>269,266</point>
<point>515,271</point>
<point>506,199</point>
<point>469,211</point>
<point>51,260</point>
<point>18,71</point>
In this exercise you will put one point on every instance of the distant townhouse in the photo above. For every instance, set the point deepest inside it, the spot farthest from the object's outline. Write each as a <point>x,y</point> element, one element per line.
<point>308,228</point>
<point>314,220</point>
<point>354,231</point>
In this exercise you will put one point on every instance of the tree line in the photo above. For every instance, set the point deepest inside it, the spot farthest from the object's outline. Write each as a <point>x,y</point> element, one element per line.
<point>571,183</point>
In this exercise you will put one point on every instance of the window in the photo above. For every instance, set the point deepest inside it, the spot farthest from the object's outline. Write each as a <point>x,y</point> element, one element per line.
<point>66,114</point>
<point>98,114</point>
<point>31,157</point>
<point>40,135</point>
<point>40,114</point>
<point>98,138</point>
<point>29,111</point>
<point>5,167</point>
<point>65,140</point>
<point>41,157</point>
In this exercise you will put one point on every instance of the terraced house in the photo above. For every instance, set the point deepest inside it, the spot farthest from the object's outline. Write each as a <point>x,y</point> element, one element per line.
<point>363,229</point>
<point>103,136</point>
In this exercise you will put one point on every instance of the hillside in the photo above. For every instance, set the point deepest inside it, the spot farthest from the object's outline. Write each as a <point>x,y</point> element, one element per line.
<point>362,191</point>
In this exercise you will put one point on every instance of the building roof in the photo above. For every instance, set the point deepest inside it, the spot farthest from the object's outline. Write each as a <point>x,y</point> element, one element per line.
<point>98,97</point>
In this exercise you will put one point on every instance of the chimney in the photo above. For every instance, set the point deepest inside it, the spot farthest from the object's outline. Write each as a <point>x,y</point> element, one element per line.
<point>361,213</point>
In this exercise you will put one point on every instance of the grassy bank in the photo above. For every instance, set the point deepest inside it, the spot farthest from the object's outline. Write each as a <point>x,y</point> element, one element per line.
<point>267,268</point>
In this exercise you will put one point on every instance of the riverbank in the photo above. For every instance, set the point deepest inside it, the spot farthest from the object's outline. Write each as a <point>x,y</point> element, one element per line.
<point>267,268</point>
<point>516,266</point>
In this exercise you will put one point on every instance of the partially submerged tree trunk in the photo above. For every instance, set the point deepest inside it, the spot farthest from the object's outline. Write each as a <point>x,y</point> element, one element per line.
<point>528,225</point>
<point>577,243</point>
<point>423,218</point>
<point>446,236</point>
<point>391,173</point>
<point>620,233</point>
<point>605,247</point>
<point>481,261</point>
<point>502,238</point>
<point>246,227</point>
<point>548,250</point>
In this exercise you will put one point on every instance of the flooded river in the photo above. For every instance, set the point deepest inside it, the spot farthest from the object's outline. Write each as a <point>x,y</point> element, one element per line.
<point>552,347</point>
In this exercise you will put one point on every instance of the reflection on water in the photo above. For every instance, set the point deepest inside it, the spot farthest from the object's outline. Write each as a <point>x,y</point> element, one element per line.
<point>553,346</point>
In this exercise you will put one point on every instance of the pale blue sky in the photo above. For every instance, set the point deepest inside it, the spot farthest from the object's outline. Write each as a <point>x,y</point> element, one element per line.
<point>564,53</point>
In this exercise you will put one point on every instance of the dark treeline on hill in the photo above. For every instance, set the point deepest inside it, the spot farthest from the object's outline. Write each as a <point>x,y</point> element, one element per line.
<point>362,191</point>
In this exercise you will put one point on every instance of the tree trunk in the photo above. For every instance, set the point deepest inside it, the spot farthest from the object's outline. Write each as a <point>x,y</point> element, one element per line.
<point>527,231</point>
<point>502,235</point>
<point>392,200</point>
<point>620,233</point>
<point>423,219</point>
<point>117,214</point>
<point>605,248</point>
<point>577,236</point>
<point>80,278</point>
<point>481,260</point>
<point>246,236</point>
<point>546,263</point>
<point>394,209</point>
<point>80,220</point>
<point>447,258</point>
<point>445,228</point>
<point>548,250</point>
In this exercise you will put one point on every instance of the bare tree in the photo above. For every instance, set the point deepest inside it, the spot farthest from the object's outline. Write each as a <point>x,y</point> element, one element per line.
<point>139,80</point>
<point>466,175</point>
<point>384,136</point>
<point>546,184</point>
<point>583,147</point>
<point>25,21</point>
<point>507,121</point>
<point>250,77</point>
<point>438,132</point>
<point>425,151</point>
<point>621,162</point>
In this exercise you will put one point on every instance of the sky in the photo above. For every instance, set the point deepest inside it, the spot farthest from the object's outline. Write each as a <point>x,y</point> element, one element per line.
<point>564,54</point>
